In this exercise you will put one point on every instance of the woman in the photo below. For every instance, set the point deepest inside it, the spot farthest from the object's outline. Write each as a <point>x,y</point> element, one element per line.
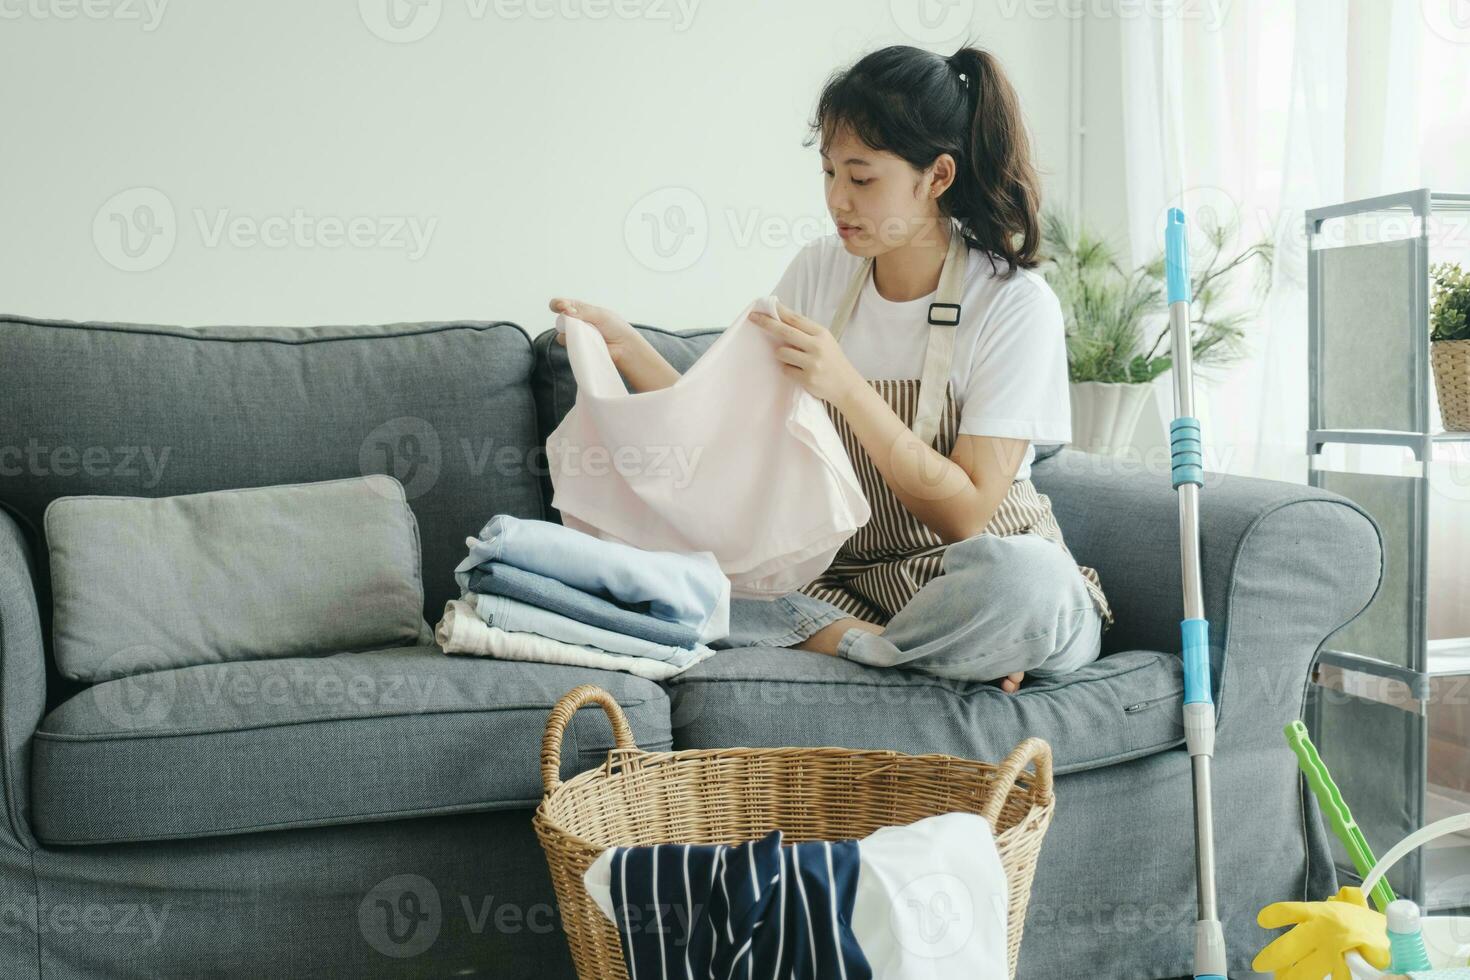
<point>941,358</point>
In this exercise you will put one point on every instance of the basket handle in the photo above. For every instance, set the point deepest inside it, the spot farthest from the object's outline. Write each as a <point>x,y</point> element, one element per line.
<point>1030,750</point>
<point>556,726</point>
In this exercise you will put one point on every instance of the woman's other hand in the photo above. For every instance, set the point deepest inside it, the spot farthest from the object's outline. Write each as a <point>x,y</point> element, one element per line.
<point>615,330</point>
<point>811,354</point>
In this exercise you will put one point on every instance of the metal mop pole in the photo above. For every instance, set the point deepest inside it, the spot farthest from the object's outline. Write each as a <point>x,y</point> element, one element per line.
<point>1199,704</point>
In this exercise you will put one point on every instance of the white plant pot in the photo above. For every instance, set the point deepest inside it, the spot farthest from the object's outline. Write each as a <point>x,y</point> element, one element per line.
<point>1105,415</point>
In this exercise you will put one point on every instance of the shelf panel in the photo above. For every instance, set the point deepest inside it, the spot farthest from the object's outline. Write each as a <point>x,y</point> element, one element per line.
<point>1388,630</point>
<point>1374,752</point>
<point>1449,657</point>
<point>1447,860</point>
<point>1417,683</point>
<point>1421,444</point>
<point>1368,310</point>
<point>1419,201</point>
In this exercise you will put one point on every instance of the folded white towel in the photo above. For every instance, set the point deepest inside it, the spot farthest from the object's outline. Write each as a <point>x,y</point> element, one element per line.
<point>461,630</point>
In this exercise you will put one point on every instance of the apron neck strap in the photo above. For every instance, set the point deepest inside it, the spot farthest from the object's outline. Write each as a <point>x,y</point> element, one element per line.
<point>943,317</point>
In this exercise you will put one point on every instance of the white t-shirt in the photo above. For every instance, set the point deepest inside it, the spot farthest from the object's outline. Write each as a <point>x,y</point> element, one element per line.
<point>1009,375</point>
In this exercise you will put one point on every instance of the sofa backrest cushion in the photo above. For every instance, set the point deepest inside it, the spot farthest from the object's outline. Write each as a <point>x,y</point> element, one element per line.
<point>153,583</point>
<point>132,410</point>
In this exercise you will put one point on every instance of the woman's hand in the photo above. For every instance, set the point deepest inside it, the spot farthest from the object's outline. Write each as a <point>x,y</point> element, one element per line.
<point>811,354</point>
<point>617,332</point>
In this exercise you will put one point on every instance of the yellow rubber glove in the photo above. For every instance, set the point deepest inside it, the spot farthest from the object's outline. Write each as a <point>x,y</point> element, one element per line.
<point>1321,934</point>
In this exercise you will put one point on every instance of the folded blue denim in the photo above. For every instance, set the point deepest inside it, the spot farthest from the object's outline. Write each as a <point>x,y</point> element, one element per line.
<point>681,587</point>
<point>515,616</point>
<point>781,622</point>
<point>498,578</point>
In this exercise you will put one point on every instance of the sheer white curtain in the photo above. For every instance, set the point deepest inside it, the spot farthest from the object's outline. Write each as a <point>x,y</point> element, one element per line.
<point>1256,111</point>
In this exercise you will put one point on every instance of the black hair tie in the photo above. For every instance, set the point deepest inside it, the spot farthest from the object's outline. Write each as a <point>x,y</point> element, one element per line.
<point>956,69</point>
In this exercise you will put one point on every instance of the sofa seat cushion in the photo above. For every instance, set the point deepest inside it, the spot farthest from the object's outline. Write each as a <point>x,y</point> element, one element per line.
<point>257,745</point>
<point>1120,707</point>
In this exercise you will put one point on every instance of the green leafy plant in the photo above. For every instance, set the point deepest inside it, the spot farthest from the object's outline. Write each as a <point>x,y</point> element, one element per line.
<point>1449,315</point>
<point>1111,313</point>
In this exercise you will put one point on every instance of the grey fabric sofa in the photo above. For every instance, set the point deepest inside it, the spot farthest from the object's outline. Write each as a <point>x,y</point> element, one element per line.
<point>366,815</point>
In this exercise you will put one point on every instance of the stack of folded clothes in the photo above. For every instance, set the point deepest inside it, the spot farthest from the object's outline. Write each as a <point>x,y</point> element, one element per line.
<point>535,590</point>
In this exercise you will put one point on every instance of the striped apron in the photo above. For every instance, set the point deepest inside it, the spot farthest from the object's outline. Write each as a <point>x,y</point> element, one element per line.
<point>879,569</point>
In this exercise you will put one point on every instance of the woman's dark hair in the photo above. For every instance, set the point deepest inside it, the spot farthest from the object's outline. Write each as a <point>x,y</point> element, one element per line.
<point>913,103</point>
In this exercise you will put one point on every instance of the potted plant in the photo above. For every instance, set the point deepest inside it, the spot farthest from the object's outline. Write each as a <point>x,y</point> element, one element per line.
<point>1449,347</point>
<point>1118,328</point>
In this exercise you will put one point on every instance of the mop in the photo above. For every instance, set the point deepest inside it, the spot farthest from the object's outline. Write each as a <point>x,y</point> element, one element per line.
<point>1199,705</point>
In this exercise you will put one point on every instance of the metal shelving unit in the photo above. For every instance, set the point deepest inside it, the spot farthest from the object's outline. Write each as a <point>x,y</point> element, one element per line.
<point>1370,385</point>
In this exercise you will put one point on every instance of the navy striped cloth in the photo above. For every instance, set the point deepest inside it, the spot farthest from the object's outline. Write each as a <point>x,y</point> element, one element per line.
<point>751,910</point>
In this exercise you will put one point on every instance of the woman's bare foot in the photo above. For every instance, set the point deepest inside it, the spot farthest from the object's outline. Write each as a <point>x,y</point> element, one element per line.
<point>1011,683</point>
<point>825,639</point>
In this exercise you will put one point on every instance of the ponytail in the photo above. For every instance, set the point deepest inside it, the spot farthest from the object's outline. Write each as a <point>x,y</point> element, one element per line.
<point>999,198</point>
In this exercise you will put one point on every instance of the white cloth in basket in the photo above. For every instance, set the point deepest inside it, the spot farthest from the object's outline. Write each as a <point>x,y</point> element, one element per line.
<point>734,458</point>
<point>929,901</point>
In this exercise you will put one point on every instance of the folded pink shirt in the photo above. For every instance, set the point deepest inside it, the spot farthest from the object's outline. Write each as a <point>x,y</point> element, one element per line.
<point>735,458</point>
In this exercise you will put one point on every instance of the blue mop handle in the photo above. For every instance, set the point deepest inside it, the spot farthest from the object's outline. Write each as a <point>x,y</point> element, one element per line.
<point>1187,470</point>
<point>1176,258</point>
<point>1187,455</point>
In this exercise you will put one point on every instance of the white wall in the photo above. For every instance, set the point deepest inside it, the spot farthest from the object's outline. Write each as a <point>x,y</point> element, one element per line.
<point>522,146</point>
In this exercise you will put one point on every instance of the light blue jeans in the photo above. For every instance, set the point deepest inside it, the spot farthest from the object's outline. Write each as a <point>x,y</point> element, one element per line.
<point>1003,604</point>
<point>682,587</point>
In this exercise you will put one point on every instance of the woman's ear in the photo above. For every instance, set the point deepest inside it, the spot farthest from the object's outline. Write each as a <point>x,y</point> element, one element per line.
<point>941,175</point>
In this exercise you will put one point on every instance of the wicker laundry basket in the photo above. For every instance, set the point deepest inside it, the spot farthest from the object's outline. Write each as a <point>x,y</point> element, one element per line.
<point>736,794</point>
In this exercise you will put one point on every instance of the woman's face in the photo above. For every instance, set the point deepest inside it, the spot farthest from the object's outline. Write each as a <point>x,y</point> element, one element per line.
<point>877,200</point>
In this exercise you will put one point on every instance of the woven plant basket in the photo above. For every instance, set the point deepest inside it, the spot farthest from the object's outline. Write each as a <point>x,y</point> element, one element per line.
<point>725,796</point>
<point>1451,360</point>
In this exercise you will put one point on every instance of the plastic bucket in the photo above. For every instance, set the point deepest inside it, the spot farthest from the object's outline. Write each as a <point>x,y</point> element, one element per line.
<point>1446,937</point>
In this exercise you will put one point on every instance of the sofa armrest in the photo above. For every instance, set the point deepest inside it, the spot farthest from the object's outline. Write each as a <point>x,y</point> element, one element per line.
<point>22,680</point>
<point>1284,566</point>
